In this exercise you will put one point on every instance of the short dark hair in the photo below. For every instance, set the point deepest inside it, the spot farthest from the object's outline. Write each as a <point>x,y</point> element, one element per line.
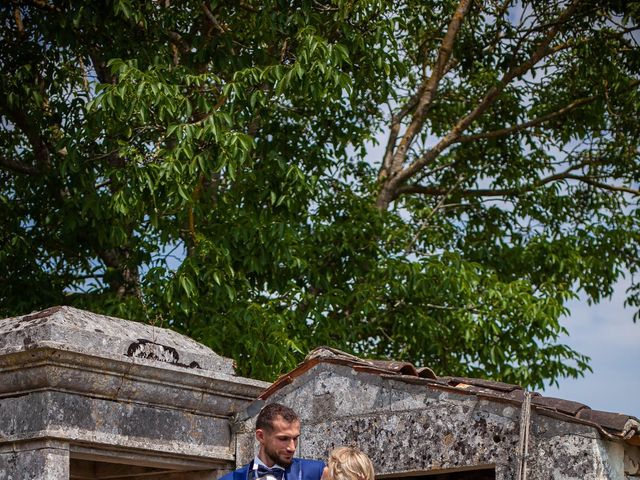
<point>272,411</point>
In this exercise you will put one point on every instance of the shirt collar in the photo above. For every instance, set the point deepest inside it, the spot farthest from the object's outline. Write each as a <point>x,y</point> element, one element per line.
<point>257,461</point>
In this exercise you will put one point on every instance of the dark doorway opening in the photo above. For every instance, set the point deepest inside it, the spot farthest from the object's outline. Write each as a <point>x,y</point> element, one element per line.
<point>485,473</point>
<point>97,470</point>
<point>93,470</point>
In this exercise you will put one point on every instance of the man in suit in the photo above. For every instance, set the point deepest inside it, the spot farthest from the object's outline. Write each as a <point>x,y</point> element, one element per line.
<point>277,432</point>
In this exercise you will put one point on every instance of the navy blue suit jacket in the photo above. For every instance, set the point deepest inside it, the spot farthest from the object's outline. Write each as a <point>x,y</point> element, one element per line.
<point>300,469</point>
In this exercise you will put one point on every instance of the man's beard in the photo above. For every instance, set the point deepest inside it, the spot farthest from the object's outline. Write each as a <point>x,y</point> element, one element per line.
<point>277,459</point>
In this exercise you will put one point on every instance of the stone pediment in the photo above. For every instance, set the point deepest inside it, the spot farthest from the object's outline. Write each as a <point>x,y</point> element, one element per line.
<point>70,329</point>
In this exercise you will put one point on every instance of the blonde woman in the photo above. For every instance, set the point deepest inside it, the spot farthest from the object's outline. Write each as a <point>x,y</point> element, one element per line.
<point>348,463</point>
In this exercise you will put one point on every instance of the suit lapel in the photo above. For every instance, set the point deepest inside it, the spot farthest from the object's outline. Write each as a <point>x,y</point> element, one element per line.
<point>243,473</point>
<point>294,472</point>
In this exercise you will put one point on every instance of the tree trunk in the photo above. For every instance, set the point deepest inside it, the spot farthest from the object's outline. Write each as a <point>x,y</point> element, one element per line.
<point>125,279</point>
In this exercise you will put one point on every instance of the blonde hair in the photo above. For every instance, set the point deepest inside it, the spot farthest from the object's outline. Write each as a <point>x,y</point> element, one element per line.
<point>349,463</point>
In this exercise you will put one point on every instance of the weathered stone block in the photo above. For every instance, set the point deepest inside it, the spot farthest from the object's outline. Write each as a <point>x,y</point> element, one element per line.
<point>38,460</point>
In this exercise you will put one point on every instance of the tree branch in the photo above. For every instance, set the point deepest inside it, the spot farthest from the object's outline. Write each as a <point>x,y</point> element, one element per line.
<point>248,7</point>
<point>17,16</point>
<point>127,282</point>
<point>494,92</point>
<point>506,192</point>
<point>523,126</point>
<point>18,167</point>
<point>212,18</point>
<point>428,88</point>
<point>612,188</point>
<point>100,67</point>
<point>176,39</point>
<point>536,121</point>
<point>42,4</point>
<point>22,121</point>
<point>426,221</point>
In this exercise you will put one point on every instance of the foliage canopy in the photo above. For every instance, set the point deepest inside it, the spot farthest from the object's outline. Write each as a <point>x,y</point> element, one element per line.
<point>205,166</point>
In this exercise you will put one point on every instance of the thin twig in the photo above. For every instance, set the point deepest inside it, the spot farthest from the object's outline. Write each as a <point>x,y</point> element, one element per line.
<point>425,222</point>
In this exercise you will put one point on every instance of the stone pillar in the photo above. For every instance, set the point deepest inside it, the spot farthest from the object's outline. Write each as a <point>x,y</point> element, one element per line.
<point>34,460</point>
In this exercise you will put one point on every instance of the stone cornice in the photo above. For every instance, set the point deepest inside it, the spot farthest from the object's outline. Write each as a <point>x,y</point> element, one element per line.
<point>128,379</point>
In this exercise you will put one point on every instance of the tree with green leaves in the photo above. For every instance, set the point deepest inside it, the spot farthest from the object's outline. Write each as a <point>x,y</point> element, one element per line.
<point>207,166</point>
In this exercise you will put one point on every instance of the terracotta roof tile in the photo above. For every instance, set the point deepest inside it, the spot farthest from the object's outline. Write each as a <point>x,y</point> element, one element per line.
<point>403,368</point>
<point>615,423</point>
<point>563,406</point>
<point>426,372</point>
<point>478,382</point>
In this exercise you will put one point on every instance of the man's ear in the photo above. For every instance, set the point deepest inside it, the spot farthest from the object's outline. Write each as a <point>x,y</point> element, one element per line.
<point>260,435</point>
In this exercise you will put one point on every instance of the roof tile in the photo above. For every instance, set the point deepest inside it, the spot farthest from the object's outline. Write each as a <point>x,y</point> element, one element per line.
<point>567,407</point>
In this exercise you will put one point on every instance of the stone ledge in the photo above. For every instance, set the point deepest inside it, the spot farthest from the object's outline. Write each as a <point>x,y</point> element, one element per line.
<point>127,379</point>
<point>29,445</point>
<point>81,451</point>
<point>92,447</point>
<point>107,453</point>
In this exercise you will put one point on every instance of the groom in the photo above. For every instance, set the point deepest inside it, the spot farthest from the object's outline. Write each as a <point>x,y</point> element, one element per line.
<point>277,432</point>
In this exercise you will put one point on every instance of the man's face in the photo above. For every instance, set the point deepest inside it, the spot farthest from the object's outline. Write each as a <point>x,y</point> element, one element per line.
<point>278,444</point>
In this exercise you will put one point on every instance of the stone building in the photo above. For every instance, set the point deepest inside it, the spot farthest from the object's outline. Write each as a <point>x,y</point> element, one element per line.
<point>85,396</point>
<point>417,425</point>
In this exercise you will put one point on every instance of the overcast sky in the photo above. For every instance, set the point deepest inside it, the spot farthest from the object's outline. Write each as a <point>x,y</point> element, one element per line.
<point>607,334</point>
